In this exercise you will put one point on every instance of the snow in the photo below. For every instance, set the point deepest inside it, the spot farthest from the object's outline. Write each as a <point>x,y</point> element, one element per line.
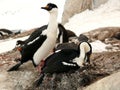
<point>9,44</point>
<point>98,46</point>
<point>25,14</point>
<point>106,15</point>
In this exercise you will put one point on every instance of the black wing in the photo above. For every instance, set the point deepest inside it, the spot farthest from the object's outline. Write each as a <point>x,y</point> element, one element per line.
<point>36,33</point>
<point>60,67</point>
<point>30,48</point>
<point>57,62</point>
<point>67,46</point>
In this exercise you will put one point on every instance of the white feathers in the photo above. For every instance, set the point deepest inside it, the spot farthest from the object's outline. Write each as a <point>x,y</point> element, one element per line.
<point>44,32</point>
<point>57,51</point>
<point>61,37</point>
<point>58,32</point>
<point>44,50</point>
<point>79,61</point>
<point>84,48</point>
<point>68,64</point>
<point>50,41</point>
<point>33,41</point>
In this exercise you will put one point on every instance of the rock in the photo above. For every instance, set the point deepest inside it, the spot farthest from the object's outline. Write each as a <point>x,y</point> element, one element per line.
<point>111,82</point>
<point>3,81</point>
<point>73,7</point>
<point>18,80</point>
<point>103,33</point>
<point>97,3</point>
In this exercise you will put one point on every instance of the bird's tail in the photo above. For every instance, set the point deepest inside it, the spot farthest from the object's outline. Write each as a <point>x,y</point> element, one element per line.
<point>15,67</point>
<point>39,81</point>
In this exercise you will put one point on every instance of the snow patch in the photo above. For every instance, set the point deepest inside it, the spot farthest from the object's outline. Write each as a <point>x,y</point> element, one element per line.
<point>9,45</point>
<point>98,46</point>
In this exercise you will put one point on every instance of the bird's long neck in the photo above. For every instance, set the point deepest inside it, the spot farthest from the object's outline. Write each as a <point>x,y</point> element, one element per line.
<point>83,49</point>
<point>52,26</point>
<point>47,46</point>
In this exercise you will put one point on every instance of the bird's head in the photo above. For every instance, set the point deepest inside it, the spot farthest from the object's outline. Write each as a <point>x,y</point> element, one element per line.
<point>50,7</point>
<point>85,51</point>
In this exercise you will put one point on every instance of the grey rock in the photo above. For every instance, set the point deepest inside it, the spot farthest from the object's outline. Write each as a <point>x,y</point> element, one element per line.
<point>111,82</point>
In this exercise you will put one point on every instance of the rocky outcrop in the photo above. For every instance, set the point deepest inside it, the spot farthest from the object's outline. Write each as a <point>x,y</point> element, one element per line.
<point>111,82</point>
<point>16,80</point>
<point>73,7</point>
<point>97,3</point>
<point>103,33</point>
<point>102,64</point>
<point>108,35</point>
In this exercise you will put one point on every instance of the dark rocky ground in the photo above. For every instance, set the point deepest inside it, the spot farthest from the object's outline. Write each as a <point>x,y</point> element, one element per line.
<point>102,64</point>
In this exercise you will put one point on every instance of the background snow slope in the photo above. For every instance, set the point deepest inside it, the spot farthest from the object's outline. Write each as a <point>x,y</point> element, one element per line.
<point>25,14</point>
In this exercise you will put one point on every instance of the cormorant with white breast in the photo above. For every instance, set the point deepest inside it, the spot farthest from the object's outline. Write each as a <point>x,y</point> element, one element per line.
<point>39,48</point>
<point>65,60</point>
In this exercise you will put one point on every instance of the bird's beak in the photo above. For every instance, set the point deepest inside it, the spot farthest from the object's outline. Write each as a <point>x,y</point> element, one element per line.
<point>46,7</point>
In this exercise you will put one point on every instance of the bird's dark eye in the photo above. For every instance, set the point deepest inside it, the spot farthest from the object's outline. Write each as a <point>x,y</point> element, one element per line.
<point>50,7</point>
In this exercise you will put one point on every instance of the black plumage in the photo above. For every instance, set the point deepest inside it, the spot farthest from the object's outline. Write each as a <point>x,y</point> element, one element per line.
<point>71,45</point>
<point>27,51</point>
<point>35,34</point>
<point>65,60</point>
<point>55,63</point>
<point>36,43</point>
<point>83,38</point>
<point>66,34</point>
<point>56,59</point>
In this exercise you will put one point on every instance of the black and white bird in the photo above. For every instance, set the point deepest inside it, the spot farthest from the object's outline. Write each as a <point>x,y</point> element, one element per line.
<point>65,60</point>
<point>63,35</point>
<point>39,48</point>
<point>7,32</point>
